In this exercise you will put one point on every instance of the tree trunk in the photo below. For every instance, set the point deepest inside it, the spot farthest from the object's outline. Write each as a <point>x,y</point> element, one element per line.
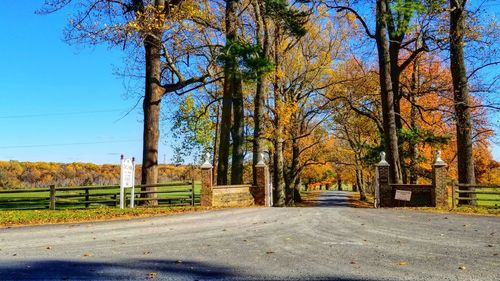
<point>227,97</point>
<point>259,100</point>
<point>414,88</point>
<point>215,162</point>
<point>237,133</point>
<point>293,173</point>
<point>387,94</point>
<point>461,97</point>
<point>359,181</point>
<point>151,107</point>
<point>279,173</point>
<point>296,189</point>
<point>362,194</point>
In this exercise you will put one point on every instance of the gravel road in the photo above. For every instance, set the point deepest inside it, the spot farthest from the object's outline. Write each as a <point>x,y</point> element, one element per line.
<point>328,242</point>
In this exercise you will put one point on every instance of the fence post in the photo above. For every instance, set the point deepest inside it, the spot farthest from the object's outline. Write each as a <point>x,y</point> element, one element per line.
<point>206,182</point>
<point>385,190</point>
<point>453,190</point>
<point>440,191</point>
<point>52,203</point>
<point>260,191</point>
<point>87,197</point>
<point>192,193</point>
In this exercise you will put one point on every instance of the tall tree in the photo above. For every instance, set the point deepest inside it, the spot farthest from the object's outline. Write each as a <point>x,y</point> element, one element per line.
<point>387,92</point>
<point>382,37</point>
<point>461,94</point>
<point>262,38</point>
<point>232,104</point>
<point>143,23</point>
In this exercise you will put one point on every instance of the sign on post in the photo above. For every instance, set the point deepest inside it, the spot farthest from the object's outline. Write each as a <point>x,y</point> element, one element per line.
<point>127,179</point>
<point>403,195</point>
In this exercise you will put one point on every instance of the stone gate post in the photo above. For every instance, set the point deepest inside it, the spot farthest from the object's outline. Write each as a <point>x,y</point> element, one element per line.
<point>206,182</point>
<point>260,191</point>
<point>385,190</point>
<point>440,191</point>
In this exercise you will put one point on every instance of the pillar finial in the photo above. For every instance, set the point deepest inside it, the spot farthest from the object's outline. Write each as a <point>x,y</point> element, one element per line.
<point>261,159</point>
<point>382,162</point>
<point>438,161</point>
<point>206,164</point>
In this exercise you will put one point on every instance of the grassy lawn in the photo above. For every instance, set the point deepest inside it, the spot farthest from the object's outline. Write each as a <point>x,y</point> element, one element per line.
<point>40,200</point>
<point>36,217</point>
<point>485,200</point>
<point>489,197</point>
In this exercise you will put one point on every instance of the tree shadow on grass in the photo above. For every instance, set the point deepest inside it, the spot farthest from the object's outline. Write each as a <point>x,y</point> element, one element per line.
<point>141,269</point>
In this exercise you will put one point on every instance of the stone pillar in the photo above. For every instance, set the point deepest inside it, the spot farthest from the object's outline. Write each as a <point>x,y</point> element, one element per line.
<point>206,182</point>
<point>260,191</point>
<point>440,190</point>
<point>385,190</point>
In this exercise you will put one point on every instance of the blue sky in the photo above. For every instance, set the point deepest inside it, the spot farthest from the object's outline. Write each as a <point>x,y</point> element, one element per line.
<point>53,93</point>
<point>62,103</point>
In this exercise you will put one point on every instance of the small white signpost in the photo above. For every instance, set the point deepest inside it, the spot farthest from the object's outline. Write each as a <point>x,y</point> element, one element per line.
<point>403,195</point>
<point>127,179</point>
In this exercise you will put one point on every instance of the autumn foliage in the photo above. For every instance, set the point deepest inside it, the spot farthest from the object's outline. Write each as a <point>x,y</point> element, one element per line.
<point>14,174</point>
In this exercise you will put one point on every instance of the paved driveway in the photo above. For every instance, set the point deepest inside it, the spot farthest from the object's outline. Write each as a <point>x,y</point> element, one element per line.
<point>328,242</point>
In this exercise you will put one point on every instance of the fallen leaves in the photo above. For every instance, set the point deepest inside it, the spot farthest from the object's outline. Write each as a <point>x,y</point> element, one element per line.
<point>403,263</point>
<point>152,275</point>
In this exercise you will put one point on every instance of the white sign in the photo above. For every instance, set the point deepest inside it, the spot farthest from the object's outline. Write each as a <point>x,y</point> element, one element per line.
<point>127,173</point>
<point>403,195</point>
<point>127,179</point>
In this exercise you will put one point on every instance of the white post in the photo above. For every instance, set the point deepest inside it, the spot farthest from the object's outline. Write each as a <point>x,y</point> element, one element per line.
<point>122,186</point>
<point>132,191</point>
<point>127,179</point>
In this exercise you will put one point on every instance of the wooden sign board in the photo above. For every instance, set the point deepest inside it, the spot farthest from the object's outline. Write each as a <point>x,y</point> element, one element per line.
<point>403,195</point>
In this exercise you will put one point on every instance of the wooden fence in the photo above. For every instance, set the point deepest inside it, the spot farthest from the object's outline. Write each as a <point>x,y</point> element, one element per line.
<point>487,195</point>
<point>169,194</point>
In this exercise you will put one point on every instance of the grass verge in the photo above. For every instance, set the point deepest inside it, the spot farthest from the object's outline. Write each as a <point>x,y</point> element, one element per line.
<point>309,198</point>
<point>355,202</point>
<point>37,217</point>
<point>463,210</point>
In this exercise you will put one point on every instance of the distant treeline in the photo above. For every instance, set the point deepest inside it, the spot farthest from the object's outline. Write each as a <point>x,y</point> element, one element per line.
<point>14,174</point>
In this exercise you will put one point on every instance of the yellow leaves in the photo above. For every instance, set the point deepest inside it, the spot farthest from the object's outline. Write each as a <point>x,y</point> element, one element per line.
<point>351,19</point>
<point>152,275</point>
<point>156,19</point>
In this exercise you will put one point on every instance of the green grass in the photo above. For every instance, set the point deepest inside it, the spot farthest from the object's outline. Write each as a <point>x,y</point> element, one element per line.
<point>494,199</point>
<point>489,197</point>
<point>40,200</point>
<point>35,217</point>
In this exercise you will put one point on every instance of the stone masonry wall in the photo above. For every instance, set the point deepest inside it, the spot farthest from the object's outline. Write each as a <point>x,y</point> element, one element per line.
<point>232,196</point>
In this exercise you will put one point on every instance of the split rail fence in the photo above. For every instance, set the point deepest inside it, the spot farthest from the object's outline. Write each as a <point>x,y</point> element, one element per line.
<point>486,195</point>
<point>168,194</point>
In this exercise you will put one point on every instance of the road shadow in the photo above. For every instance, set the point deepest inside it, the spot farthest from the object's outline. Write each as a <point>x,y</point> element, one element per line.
<point>330,199</point>
<point>123,270</point>
<point>141,269</point>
